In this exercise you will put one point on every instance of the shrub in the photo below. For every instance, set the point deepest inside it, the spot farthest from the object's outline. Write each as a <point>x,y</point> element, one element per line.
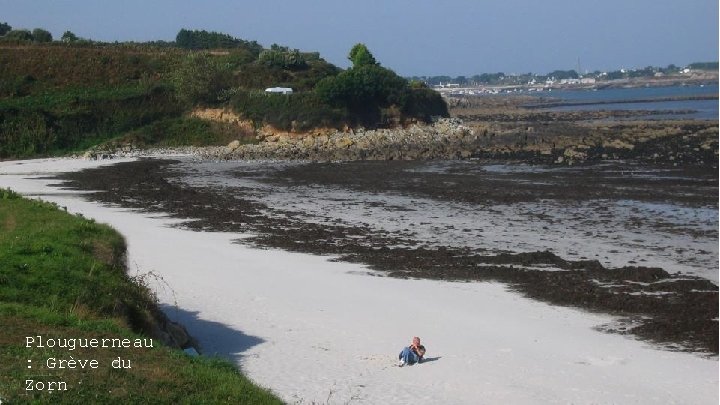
<point>298,111</point>
<point>41,35</point>
<point>374,95</point>
<point>200,79</point>
<point>293,60</point>
<point>363,91</point>
<point>424,104</point>
<point>19,35</point>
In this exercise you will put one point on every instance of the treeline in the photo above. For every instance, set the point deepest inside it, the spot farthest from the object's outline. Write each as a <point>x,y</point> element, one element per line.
<point>78,92</point>
<point>704,65</point>
<point>39,35</point>
<point>201,39</point>
<point>556,75</point>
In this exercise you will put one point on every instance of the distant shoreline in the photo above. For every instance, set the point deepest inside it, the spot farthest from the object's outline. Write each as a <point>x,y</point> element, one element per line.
<point>707,78</point>
<point>552,104</point>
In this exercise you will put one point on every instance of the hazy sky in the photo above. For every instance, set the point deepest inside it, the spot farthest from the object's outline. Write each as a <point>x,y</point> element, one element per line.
<point>420,37</point>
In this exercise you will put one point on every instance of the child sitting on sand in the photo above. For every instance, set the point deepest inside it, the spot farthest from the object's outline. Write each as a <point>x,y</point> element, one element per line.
<point>412,354</point>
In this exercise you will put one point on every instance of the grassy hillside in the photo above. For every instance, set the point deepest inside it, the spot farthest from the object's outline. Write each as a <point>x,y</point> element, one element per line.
<point>61,97</point>
<point>62,276</point>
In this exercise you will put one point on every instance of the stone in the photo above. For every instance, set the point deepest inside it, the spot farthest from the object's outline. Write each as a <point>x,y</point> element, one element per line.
<point>233,145</point>
<point>177,333</point>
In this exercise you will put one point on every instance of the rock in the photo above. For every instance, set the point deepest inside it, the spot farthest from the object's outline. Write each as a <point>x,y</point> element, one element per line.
<point>445,139</point>
<point>177,333</point>
<point>308,142</point>
<point>233,145</point>
<point>344,142</point>
<point>283,139</point>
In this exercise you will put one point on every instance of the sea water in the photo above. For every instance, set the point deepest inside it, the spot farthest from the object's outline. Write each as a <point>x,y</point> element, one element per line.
<point>640,98</point>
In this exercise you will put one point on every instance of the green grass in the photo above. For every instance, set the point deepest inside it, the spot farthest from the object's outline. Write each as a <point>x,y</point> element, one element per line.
<point>63,276</point>
<point>62,100</point>
<point>62,121</point>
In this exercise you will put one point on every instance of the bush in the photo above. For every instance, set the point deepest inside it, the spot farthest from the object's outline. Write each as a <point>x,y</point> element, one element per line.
<point>292,60</point>
<point>41,35</point>
<point>363,91</point>
<point>298,111</point>
<point>424,104</point>
<point>19,35</point>
<point>200,79</point>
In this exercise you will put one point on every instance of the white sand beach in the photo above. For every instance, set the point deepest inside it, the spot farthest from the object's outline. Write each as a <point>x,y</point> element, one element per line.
<point>317,331</point>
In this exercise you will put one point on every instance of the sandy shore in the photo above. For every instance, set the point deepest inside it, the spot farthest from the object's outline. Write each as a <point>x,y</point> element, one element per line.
<point>316,330</point>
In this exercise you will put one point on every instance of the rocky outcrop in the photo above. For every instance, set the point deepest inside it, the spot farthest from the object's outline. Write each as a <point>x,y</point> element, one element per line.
<point>446,139</point>
<point>224,116</point>
<point>674,142</point>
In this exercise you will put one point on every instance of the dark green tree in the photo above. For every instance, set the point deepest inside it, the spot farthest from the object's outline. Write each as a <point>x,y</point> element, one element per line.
<point>41,35</point>
<point>564,74</point>
<point>69,37</point>
<point>360,56</point>
<point>4,28</point>
<point>369,91</point>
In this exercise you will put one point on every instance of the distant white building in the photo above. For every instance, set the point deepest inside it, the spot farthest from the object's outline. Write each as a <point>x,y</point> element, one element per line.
<point>570,81</point>
<point>279,90</point>
<point>447,85</point>
<point>587,80</point>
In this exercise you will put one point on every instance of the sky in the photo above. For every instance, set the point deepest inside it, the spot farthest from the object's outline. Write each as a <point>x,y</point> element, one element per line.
<point>420,37</point>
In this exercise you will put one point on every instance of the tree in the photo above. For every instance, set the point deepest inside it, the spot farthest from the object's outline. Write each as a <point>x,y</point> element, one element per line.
<point>41,35</point>
<point>360,56</point>
<point>69,37</point>
<point>4,28</point>
<point>367,88</point>
<point>564,74</point>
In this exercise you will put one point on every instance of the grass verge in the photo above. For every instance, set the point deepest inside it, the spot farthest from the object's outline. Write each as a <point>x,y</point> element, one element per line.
<point>63,277</point>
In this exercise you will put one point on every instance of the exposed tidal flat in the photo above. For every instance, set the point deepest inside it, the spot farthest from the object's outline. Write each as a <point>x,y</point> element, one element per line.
<point>619,238</point>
